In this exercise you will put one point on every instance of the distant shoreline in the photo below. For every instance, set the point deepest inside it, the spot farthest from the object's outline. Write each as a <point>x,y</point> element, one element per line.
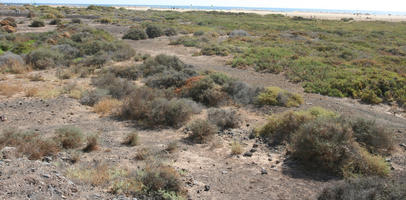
<point>290,12</point>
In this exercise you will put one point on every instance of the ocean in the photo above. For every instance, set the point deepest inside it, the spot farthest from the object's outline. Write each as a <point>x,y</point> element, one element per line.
<point>214,8</point>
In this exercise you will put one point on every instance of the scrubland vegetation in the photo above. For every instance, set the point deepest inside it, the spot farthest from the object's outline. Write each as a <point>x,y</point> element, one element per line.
<point>361,60</point>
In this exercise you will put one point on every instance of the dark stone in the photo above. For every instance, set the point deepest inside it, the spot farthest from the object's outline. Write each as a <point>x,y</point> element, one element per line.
<point>247,154</point>
<point>206,188</point>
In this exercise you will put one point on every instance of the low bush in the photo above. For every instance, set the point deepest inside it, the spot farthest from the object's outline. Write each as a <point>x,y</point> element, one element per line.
<point>370,97</point>
<point>224,118</point>
<point>151,108</point>
<point>107,106</point>
<point>205,91</point>
<point>44,58</point>
<point>105,20</point>
<point>127,72</point>
<point>375,138</point>
<point>92,143</point>
<point>169,78</point>
<point>76,21</point>
<point>69,137</point>
<point>55,22</point>
<point>170,32</point>
<point>215,50</point>
<point>10,62</point>
<point>172,147</point>
<point>365,189</point>
<point>278,97</point>
<point>37,23</point>
<point>198,33</point>
<point>154,31</point>
<point>241,92</point>
<point>131,139</point>
<point>91,97</point>
<point>162,63</point>
<point>135,34</point>
<point>329,145</point>
<point>122,52</point>
<point>238,33</point>
<point>201,131</point>
<point>28,143</point>
<point>280,127</point>
<point>117,87</point>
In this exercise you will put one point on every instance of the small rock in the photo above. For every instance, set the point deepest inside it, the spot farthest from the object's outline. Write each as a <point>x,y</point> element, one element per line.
<point>255,145</point>
<point>8,152</point>
<point>277,162</point>
<point>403,145</point>
<point>387,160</point>
<point>46,175</point>
<point>269,159</point>
<point>253,150</point>
<point>206,188</point>
<point>247,154</point>
<point>3,118</point>
<point>273,166</point>
<point>224,172</point>
<point>47,159</point>
<point>263,171</point>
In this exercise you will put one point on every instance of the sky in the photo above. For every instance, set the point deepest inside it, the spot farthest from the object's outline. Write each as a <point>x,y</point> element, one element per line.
<point>377,5</point>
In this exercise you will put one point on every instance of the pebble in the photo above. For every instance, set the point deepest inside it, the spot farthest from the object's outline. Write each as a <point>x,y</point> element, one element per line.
<point>46,175</point>
<point>206,188</point>
<point>224,172</point>
<point>263,171</point>
<point>253,150</point>
<point>247,154</point>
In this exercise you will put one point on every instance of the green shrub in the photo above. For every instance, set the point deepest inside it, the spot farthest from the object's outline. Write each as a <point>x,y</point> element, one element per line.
<point>76,21</point>
<point>328,144</point>
<point>169,78</point>
<point>117,87</point>
<point>205,91</point>
<point>201,131</point>
<point>215,50</point>
<point>135,34</point>
<point>370,97</point>
<point>69,137</point>
<point>278,97</point>
<point>122,52</point>
<point>127,72</point>
<point>220,78</point>
<point>162,63</point>
<point>154,31</point>
<point>224,118</point>
<point>365,189</point>
<point>170,32</point>
<point>241,92</point>
<point>162,180</point>
<point>37,23</point>
<point>44,58</point>
<point>55,22</point>
<point>105,20</point>
<point>280,127</point>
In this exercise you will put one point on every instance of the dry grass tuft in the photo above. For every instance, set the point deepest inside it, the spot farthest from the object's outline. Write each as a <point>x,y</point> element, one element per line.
<point>92,143</point>
<point>31,92</point>
<point>236,148</point>
<point>132,139</point>
<point>107,106</point>
<point>9,90</point>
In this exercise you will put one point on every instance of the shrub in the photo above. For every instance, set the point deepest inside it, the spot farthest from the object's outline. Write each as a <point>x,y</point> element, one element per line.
<point>162,178</point>
<point>69,52</point>
<point>117,87</point>
<point>172,113</point>
<point>365,189</point>
<point>162,63</point>
<point>43,58</point>
<point>224,118</point>
<point>238,33</point>
<point>76,21</point>
<point>91,97</point>
<point>10,62</point>
<point>172,147</point>
<point>201,131</point>
<point>107,106</point>
<point>169,78</point>
<point>69,137</point>
<point>198,33</point>
<point>370,97</point>
<point>127,72</point>
<point>135,34</point>
<point>220,78</point>
<point>277,97</point>
<point>215,50</point>
<point>37,23</point>
<point>9,90</point>
<point>28,143</point>
<point>241,92</point>
<point>123,52</point>
<point>55,22</point>
<point>329,145</point>
<point>280,127</point>
<point>170,32</point>
<point>105,20</point>
<point>8,21</point>
<point>131,139</point>
<point>375,138</point>
<point>205,92</point>
<point>236,148</point>
<point>92,143</point>
<point>153,31</point>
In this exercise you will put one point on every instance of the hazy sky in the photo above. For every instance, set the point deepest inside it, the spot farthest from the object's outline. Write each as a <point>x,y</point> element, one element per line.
<point>381,5</point>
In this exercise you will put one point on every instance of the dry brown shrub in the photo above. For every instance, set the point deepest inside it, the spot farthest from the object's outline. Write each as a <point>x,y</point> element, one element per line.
<point>107,106</point>
<point>31,92</point>
<point>9,90</point>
